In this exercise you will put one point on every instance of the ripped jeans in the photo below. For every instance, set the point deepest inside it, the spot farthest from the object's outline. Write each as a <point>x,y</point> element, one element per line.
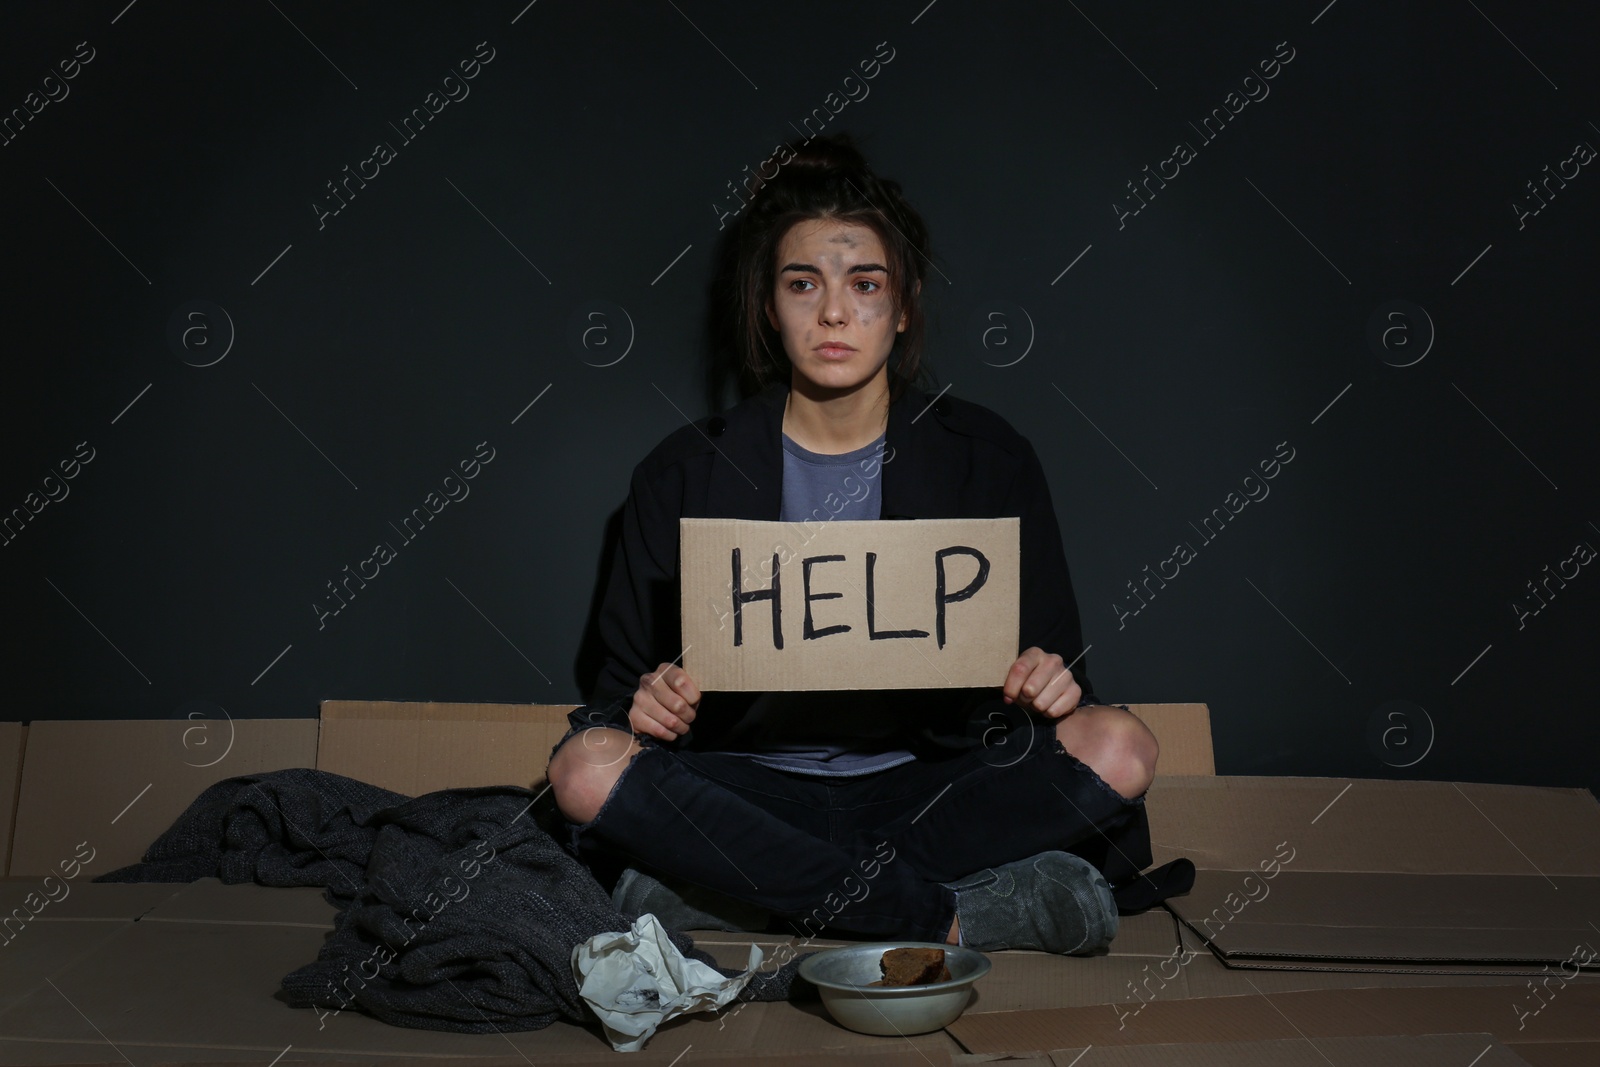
<point>863,855</point>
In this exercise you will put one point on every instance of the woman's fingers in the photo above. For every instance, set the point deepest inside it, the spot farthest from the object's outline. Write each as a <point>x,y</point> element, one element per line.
<point>1019,673</point>
<point>1064,702</point>
<point>1051,680</point>
<point>664,704</point>
<point>685,685</point>
<point>666,687</point>
<point>644,723</point>
<point>673,690</point>
<point>1044,683</point>
<point>649,717</point>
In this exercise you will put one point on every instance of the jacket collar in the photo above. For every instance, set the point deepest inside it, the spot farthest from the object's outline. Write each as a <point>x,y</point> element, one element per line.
<point>747,474</point>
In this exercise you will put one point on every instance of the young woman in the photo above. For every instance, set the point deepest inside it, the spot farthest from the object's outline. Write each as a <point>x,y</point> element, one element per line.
<point>996,817</point>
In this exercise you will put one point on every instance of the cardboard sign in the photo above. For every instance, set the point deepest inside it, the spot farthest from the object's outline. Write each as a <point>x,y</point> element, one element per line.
<point>904,604</point>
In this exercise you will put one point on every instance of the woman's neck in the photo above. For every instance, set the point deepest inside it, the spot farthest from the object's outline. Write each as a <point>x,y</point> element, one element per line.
<point>831,422</point>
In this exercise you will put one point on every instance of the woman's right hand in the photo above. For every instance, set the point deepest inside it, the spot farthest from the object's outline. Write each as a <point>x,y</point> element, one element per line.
<point>665,703</point>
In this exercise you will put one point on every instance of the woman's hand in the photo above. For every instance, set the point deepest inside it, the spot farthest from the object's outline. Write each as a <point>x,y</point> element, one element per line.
<point>665,703</point>
<point>1041,681</point>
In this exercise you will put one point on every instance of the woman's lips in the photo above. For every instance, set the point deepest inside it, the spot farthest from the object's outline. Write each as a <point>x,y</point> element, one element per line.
<point>835,351</point>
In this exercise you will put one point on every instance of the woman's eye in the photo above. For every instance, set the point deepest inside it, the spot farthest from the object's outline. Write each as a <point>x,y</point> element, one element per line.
<point>872,286</point>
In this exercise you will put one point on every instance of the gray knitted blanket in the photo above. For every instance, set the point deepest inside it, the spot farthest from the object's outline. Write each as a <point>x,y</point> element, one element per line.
<point>456,911</point>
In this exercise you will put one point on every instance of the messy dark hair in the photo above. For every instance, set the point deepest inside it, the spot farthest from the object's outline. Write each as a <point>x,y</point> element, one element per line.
<point>827,178</point>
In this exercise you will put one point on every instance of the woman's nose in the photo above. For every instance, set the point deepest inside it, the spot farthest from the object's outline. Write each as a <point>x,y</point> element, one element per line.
<point>833,311</point>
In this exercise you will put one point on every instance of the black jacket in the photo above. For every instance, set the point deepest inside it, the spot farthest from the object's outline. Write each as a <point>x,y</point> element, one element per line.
<point>944,458</point>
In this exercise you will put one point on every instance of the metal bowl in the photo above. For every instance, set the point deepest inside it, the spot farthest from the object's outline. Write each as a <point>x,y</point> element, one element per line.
<point>841,976</point>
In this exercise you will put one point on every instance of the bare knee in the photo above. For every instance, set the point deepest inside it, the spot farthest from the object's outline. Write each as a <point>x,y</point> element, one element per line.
<point>585,769</point>
<point>1115,744</point>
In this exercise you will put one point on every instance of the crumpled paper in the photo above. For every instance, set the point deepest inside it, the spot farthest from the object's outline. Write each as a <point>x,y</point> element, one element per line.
<point>636,980</point>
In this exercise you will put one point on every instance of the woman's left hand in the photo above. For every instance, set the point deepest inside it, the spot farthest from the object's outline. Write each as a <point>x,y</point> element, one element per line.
<point>1040,680</point>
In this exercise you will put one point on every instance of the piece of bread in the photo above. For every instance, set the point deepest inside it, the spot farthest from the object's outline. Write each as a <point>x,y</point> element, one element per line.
<point>913,966</point>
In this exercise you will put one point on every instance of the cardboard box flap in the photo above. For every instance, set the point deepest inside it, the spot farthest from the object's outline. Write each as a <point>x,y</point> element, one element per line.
<point>1417,917</point>
<point>1183,731</point>
<point>418,711</point>
<point>1335,824</point>
<point>421,747</point>
<point>1208,975</point>
<point>12,737</point>
<point>1437,944</point>
<point>143,773</point>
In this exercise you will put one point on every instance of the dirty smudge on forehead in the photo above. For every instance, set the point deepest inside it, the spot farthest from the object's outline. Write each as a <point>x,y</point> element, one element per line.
<point>837,258</point>
<point>863,245</point>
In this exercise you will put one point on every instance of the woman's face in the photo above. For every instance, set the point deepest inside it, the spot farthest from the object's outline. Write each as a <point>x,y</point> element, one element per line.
<point>831,303</point>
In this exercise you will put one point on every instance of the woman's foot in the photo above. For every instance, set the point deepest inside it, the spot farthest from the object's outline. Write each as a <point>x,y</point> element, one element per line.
<point>1055,901</point>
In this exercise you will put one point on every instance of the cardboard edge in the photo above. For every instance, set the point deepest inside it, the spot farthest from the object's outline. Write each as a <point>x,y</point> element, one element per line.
<point>1355,964</point>
<point>1187,730</point>
<point>49,806</point>
<point>10,828</point>
<point>346,727</point>
<point>377,710</point>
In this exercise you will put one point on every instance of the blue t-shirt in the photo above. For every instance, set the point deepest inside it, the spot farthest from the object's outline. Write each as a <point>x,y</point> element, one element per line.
<point>799,731</point>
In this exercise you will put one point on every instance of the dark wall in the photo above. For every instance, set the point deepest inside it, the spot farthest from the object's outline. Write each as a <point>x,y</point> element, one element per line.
<point>1351,271</point>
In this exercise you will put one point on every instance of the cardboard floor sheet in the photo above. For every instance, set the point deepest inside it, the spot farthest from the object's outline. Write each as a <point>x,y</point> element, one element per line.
<point>200,970</point>
<point>1380,920</point>
<point>1385,875</point>
<point>1507,1012</point>
<point>1438,1050</point>
<point>1361,921</point>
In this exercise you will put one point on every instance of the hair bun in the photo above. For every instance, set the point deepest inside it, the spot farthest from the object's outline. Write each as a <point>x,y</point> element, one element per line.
<point>837,152</point>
